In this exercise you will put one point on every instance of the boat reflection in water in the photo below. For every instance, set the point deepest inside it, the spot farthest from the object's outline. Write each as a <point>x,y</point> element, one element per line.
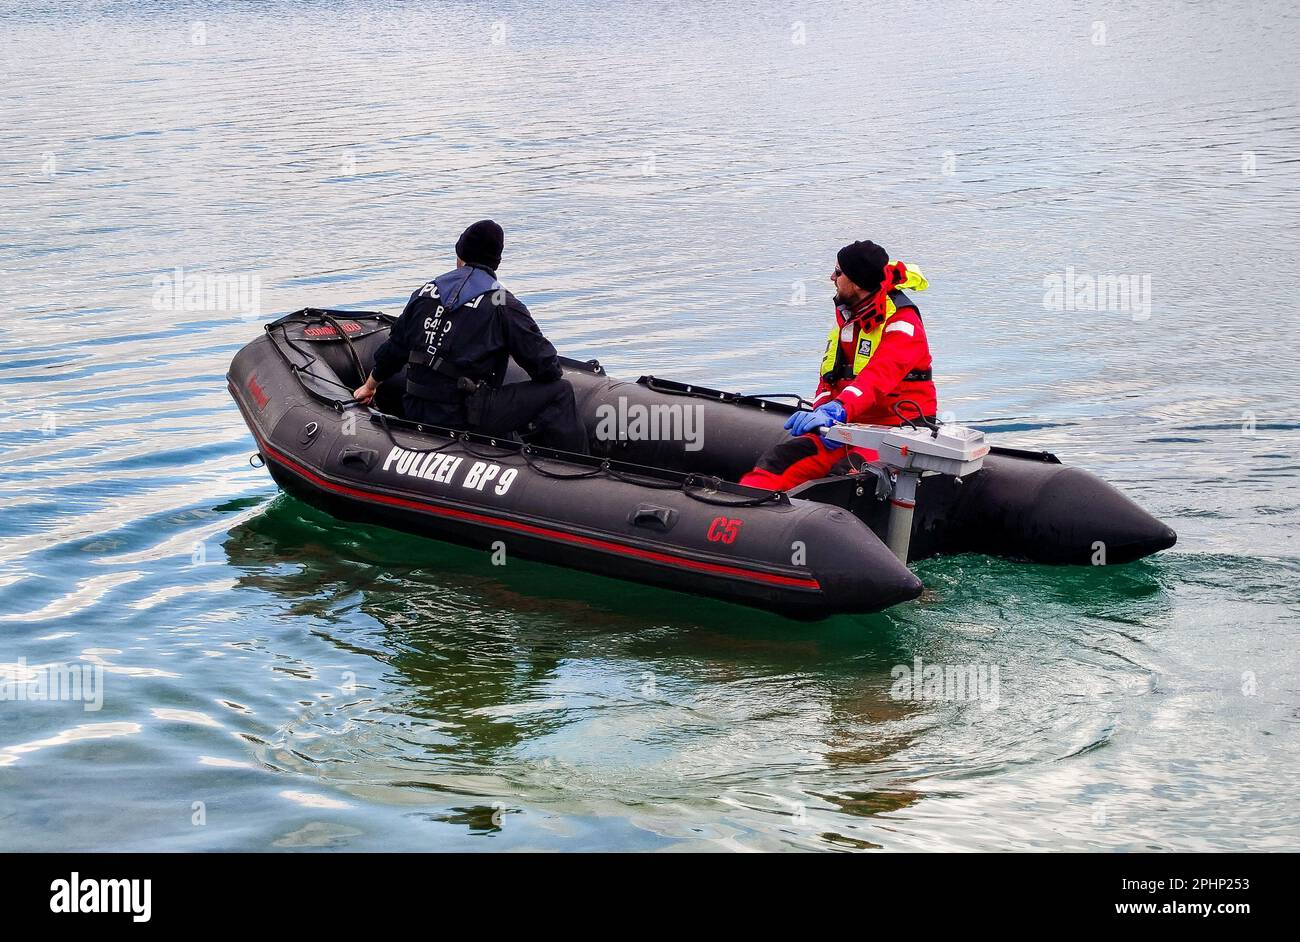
<point>475,691</point>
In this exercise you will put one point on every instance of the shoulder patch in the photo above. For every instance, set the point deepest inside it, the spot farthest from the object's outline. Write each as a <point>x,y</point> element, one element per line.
<point>901,327</point>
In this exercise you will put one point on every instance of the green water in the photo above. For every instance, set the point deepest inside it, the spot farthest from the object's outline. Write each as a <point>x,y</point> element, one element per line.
<point>674,187</point>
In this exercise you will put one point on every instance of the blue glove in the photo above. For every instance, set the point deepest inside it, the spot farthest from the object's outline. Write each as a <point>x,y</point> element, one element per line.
<point>801,423</point>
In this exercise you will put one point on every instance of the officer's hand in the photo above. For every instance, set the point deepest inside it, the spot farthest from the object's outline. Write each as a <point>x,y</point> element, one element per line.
<point>363,394</point>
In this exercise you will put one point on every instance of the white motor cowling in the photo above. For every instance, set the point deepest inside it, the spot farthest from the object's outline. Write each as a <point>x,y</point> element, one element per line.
<point>908,452</point>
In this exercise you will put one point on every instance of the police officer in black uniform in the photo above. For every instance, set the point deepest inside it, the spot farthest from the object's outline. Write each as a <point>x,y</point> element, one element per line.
<point>455,338</point>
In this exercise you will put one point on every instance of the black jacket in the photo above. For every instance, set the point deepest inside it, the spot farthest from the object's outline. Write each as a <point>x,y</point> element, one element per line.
<point>478,345</point>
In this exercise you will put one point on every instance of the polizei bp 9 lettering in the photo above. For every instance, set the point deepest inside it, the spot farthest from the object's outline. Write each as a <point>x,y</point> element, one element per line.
<point>441,467</point>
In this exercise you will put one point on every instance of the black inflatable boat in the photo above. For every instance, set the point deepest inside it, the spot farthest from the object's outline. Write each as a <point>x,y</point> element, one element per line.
<point>653,502</point>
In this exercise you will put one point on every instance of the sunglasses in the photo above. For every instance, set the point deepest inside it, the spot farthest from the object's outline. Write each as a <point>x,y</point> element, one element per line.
<point>837,273</point>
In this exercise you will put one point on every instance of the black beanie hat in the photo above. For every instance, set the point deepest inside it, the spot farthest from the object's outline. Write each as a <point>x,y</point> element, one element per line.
<point>481,244</point>
<point>864,263</point>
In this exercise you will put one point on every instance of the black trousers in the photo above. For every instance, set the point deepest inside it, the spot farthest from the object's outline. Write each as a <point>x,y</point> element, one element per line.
<point>541,413</point>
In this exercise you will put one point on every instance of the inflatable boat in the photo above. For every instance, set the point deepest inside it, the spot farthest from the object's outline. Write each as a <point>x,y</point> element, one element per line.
<point>655,500</point>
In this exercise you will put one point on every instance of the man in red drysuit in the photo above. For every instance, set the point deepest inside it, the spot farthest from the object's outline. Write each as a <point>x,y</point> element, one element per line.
<point>876,357</point>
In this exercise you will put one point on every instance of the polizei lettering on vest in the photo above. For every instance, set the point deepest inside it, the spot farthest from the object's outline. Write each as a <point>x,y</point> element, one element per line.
<point>441,468</point>
<point>76,895</point>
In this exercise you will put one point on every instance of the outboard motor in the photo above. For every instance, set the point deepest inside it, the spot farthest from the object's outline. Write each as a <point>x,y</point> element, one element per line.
<point>906,453</point>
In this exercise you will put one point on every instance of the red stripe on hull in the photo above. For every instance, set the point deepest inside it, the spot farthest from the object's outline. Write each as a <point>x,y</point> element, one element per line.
<point>470,516</point>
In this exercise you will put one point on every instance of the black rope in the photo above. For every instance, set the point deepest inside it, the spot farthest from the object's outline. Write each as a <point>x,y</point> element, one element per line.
<point>309,314</point>
<point>383,423</point>
<point>643,481</point>
<point>685,485</point>
<point>768,498</point>
<point>799,400</point>
<point>926,421</point>
<point>527,453</point>
<point>299,370</point>
<point>362,372</point>
<point>725,397</point>
<point>311,358</point>
<point>513,448</point>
